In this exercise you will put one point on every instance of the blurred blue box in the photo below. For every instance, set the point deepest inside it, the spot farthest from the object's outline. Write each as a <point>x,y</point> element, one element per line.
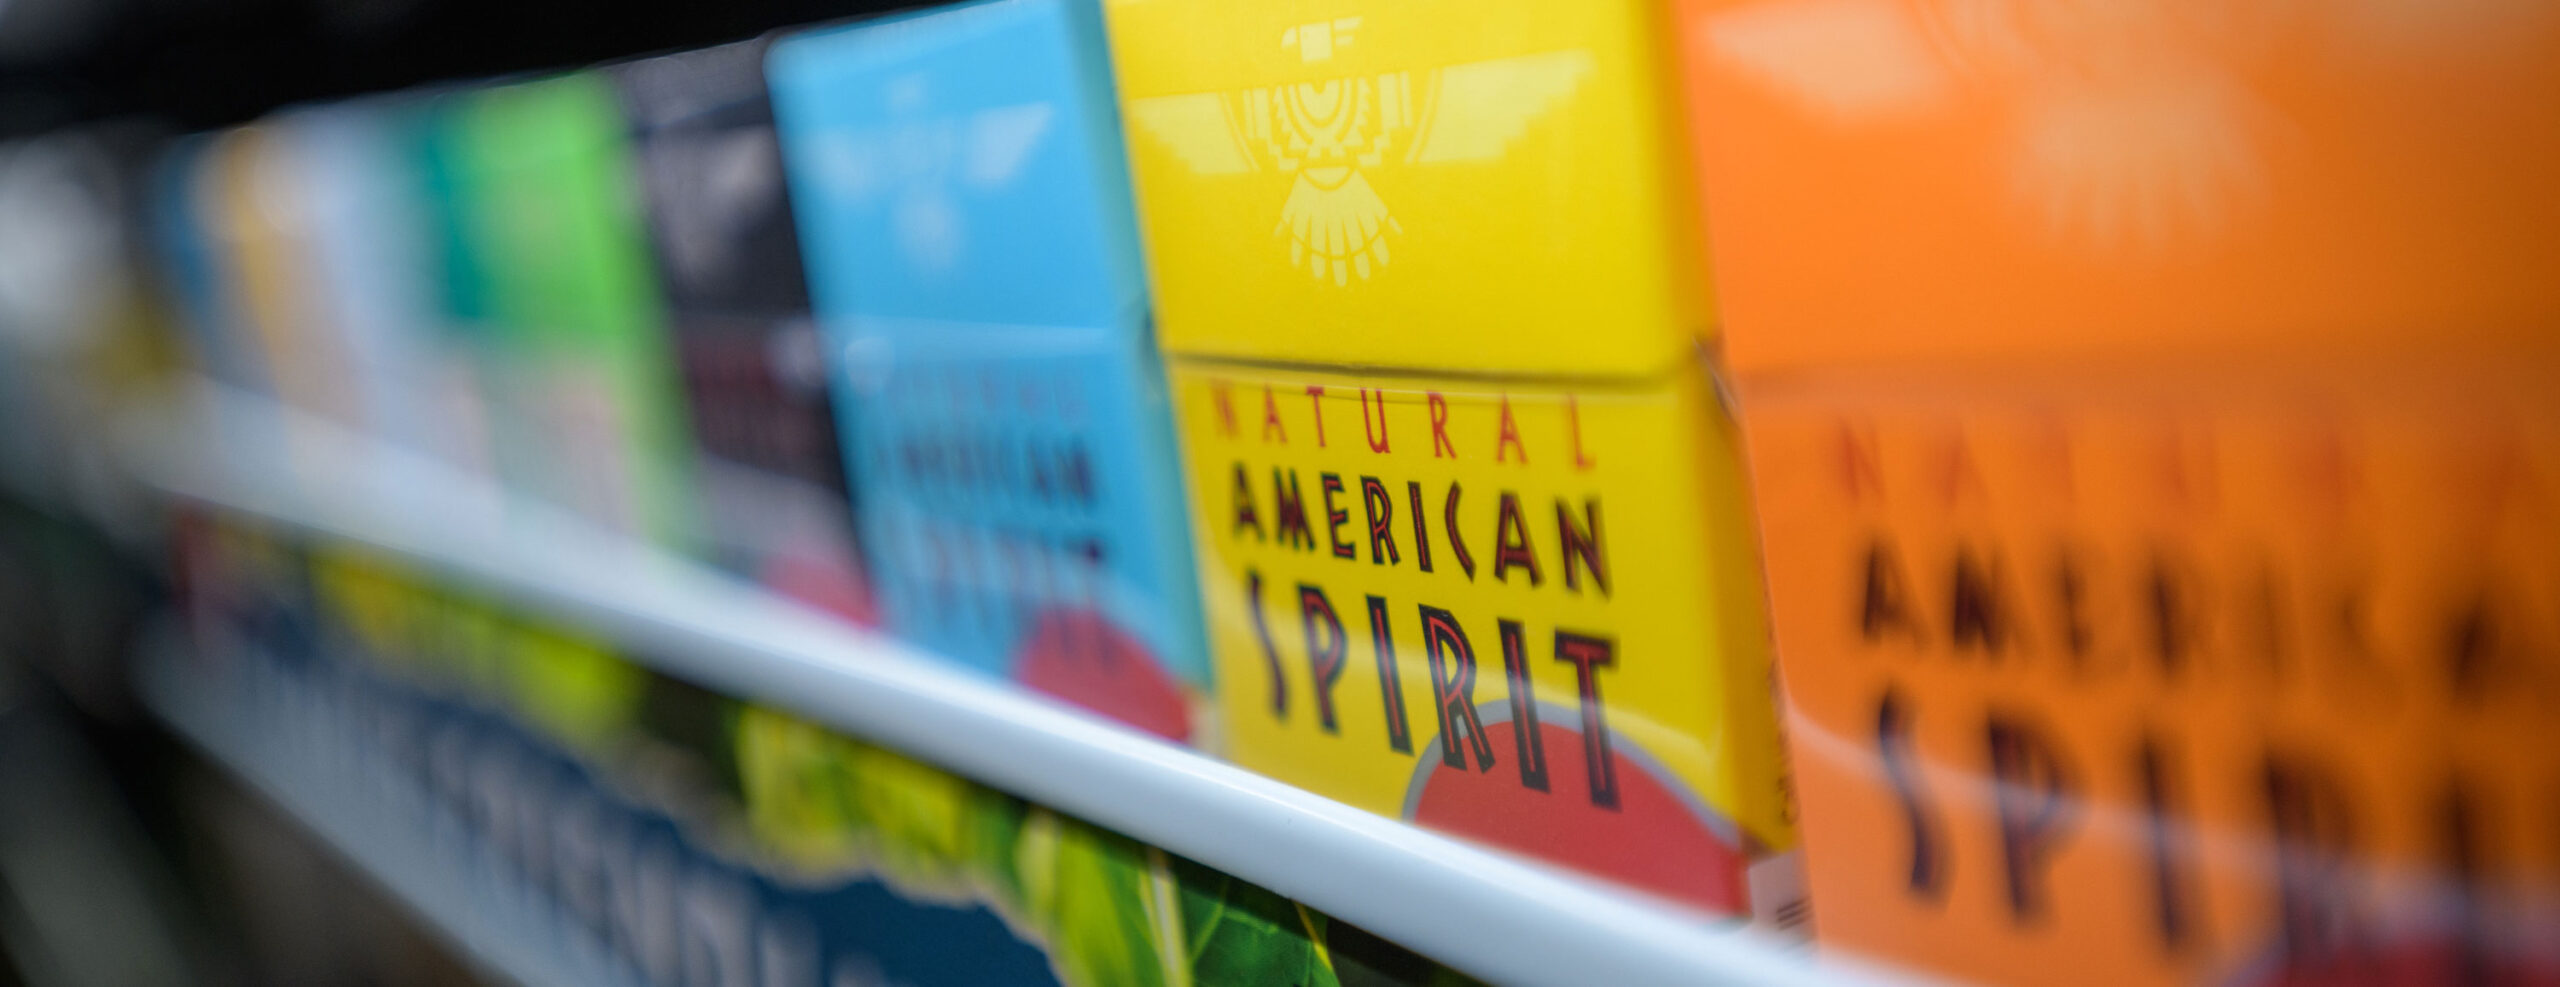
<point>192,266</point>
<point>973,260</point>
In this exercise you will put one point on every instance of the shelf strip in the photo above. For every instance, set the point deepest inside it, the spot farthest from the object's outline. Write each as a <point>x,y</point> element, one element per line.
<point>1488,913</point>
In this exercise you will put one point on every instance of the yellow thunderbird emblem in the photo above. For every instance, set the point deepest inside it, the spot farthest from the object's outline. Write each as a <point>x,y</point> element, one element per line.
<point>1327,134</point>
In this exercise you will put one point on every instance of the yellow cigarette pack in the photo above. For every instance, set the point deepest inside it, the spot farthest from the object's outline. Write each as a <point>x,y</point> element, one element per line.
<point>1474,545</point>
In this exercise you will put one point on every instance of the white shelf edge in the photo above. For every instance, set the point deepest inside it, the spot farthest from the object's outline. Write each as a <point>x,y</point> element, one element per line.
<point>1491,914</point>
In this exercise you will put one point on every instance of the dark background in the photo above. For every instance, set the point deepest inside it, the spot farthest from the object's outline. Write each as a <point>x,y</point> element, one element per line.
<point>196,64</point>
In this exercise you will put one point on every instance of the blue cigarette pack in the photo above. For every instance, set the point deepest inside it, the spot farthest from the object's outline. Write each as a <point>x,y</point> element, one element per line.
<point>965,215</point>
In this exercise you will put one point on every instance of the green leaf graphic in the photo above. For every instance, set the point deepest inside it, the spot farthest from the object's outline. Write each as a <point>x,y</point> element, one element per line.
<point>1088,890</point>
<point>1240,933</point>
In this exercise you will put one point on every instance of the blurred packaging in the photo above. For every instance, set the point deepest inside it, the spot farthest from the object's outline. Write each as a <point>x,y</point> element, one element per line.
<point>1953,182</point>
<point>2150,407</point>
<point>773,492</point>
<point>587,405</point>
<point>376,270</point>
<point>81,330</point>
<point>316,258</point>
<point>240,252</point>
<point>191,267</point>
<point>2171,683</point>
<point>248,194</point>
<point>962,192</point>
<point>1473,540</point>
<point>558,800</point>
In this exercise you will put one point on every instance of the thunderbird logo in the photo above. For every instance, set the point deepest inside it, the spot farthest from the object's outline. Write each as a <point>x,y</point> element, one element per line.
<point>1328,135</point>
<point>924,165</point>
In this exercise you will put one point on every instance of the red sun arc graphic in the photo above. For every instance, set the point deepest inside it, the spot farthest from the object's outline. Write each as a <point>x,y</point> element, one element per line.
<point>1080,656</point>
<point>1657,839</point>
<point>833,587</point>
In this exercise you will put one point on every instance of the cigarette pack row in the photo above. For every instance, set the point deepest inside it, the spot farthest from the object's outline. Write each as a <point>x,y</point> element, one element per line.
<point>2097,521</point>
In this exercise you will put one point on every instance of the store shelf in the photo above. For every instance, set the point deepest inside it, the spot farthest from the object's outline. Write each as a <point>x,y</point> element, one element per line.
<point>1487,913</point>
